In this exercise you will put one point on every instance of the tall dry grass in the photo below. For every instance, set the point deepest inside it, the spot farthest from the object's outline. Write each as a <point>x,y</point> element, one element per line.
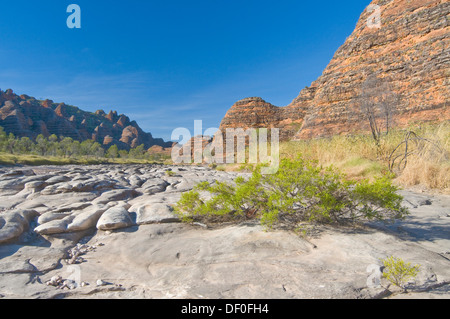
<point>430,166</point>
<point>358,156</point>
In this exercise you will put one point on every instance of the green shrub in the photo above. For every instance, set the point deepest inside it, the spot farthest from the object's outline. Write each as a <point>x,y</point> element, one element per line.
<point>398,272</point>
<point>300,191</point>
<point>170,173</point>
<point>65,150</point>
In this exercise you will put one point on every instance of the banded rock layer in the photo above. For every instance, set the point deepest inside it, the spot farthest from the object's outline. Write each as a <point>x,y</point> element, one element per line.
<point>410,51</point>
<point>25,116</point>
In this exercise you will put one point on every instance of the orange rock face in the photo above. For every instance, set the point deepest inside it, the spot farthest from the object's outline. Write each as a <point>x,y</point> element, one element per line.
<point>254,112</point>
<point>410,51</point>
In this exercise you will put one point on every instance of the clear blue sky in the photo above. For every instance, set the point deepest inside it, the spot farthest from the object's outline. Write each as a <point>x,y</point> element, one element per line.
<point>168,63</point>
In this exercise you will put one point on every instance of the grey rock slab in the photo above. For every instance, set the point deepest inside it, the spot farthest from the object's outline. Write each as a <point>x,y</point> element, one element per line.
<point>63,188</point>
<point>114,218</point>
<point>186,184</point>
<point>16,266</point>
<point>54,201</point>
<point>34,186</point>
<point>28,259</point>
<point>57,180</point>
<point>32,204</point>
<point>154,213</point>
<point>74,187</point>
<point>122,182</point>
<point>88,218</point>
<point>83,186</point>
<point>50,189</point>
<point>80,177</point>
<point>154,189</point>
<point>53,227</point>
<point>33,178</point>
<point>103,185</point>
<point>12,184</point>
<point>115,195</point>
<point>424,225</point>
<point>120,203</point>
<point>168,198</point>
<point>135,181</point>
<point>50,216</point>
<point>155,182</point>
<point>18,172</point>
<point>11,201</point>
<point>72,207</point>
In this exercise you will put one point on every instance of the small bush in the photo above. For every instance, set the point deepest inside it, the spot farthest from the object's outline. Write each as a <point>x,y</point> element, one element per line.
<point>398,272</point>
<point>301,191</point>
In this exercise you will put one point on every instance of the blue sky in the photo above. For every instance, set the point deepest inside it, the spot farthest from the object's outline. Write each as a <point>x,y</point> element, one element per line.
<point>168,63</point>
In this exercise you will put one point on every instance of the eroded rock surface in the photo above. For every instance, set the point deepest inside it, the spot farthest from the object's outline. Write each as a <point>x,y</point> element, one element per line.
<point>59,242</point>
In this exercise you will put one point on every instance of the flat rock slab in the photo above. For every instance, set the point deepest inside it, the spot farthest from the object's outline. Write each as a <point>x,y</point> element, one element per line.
<point>245,262</point>
<point>428,224</point>
<point>115,195</point>
<point>155,213</point>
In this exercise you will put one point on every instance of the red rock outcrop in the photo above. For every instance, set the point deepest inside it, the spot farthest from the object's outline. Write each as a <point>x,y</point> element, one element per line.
<point>410,52</point>
<point>254,112</point>
<point>25,116</point>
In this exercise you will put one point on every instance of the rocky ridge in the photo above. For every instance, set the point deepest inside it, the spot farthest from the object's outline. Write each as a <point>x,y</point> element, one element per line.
<point>23,116</point>
<point>410,52</point>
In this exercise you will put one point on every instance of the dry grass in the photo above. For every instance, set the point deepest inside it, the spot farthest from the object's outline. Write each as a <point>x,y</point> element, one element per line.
<point>359,157</point>
<point>356,156</point>
<point>431,167</point>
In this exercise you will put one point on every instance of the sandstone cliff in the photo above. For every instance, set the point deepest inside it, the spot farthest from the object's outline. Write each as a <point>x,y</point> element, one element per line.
<point>25,116</point>
<point>410,52</point>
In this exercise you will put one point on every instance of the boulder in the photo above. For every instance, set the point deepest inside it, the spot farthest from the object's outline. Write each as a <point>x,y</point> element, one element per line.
<point>135,181</point>
<point>14,223</point>
<point>57,226</point>
<point>57,179</point>
<point>51,216</point>
<point>154,185</point>
<point>34,186</point>
<point>87,219</point>
<point>114,218</point>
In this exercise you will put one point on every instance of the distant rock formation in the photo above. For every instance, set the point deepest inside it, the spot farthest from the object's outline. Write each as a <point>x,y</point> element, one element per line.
<point>410,52</point>
<point>254,112</point>
<point>25,116</point>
